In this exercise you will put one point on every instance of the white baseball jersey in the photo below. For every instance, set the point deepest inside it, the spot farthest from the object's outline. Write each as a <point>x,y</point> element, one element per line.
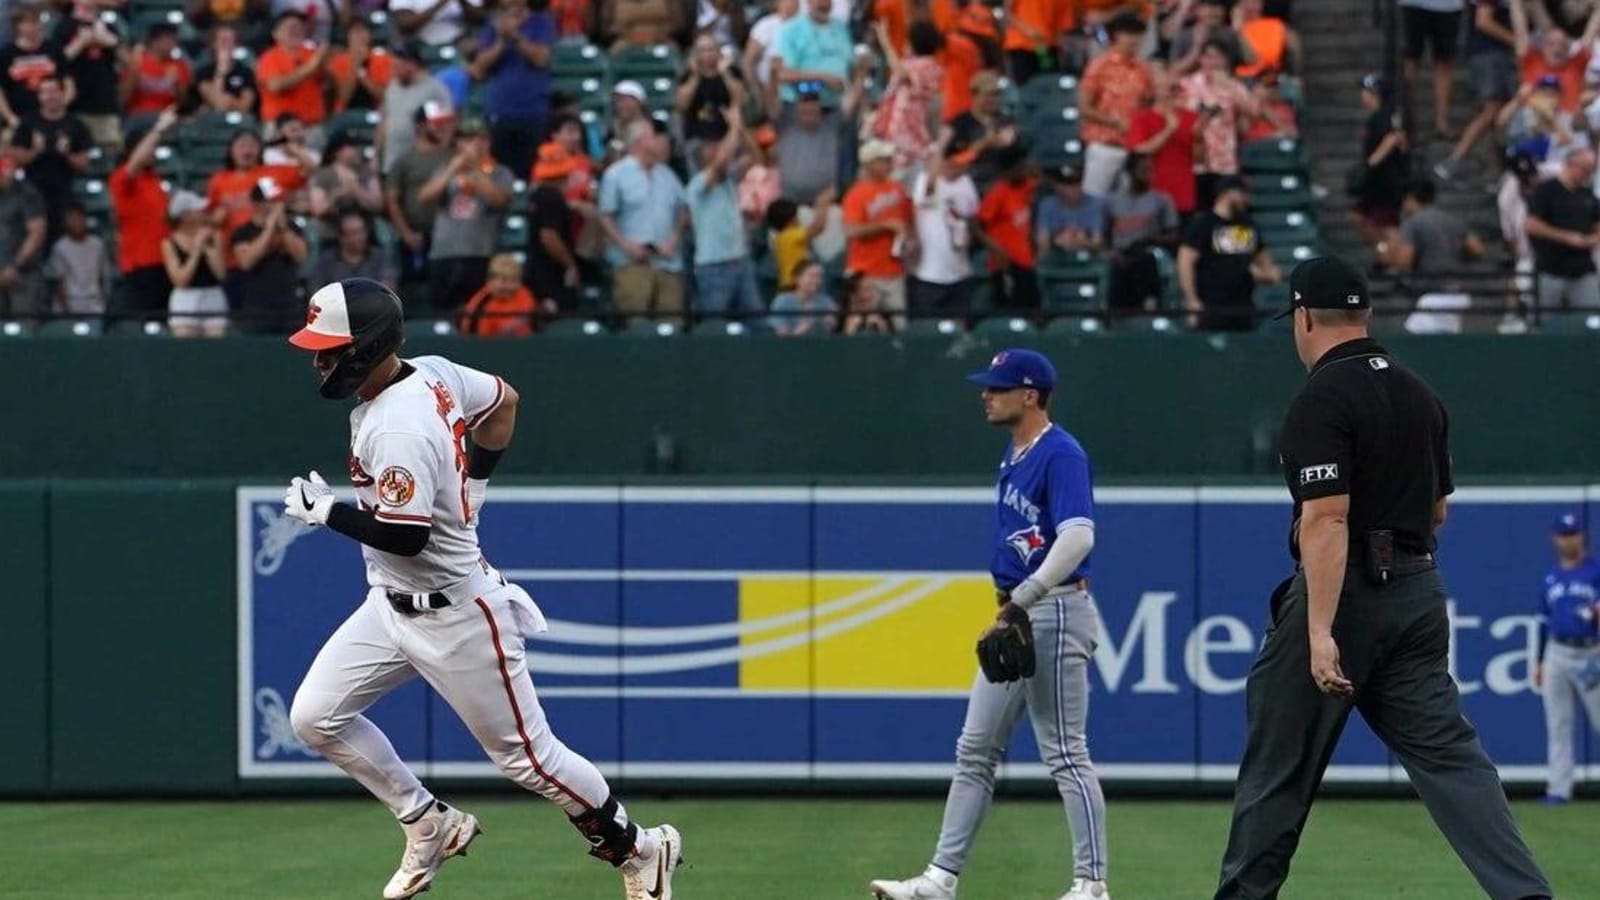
<point>408,462</point>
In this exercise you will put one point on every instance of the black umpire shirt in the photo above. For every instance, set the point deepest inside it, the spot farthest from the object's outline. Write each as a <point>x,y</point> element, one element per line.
<point>1365,426</point>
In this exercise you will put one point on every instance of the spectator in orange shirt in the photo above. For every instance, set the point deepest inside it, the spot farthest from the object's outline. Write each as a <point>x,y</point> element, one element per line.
<point>293,75</point>
<point>1554,54</point>
<point>1005,223</point>
<point>877,224</point>
<point>1114,86</point>
<point>1273,117</point>
<point>504,307</point>
<point>229,191</point>
<point>1273,45</point>
<point>157,75</point>
<point>1034,36</point>
<point>961,58</point>
<point>139,209</point>
<point>360,71</point>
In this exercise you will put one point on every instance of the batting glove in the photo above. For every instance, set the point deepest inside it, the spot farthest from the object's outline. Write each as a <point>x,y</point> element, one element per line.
<point>309,500</point>
<point>477,489</point>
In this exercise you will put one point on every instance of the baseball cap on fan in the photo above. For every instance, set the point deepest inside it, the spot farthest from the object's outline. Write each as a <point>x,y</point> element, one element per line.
<point>1017,368</point>
<point>1326,282</point>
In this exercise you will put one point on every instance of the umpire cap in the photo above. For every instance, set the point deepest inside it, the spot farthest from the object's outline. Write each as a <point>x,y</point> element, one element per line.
<point>1017,368</point>
<point>1326,282</point>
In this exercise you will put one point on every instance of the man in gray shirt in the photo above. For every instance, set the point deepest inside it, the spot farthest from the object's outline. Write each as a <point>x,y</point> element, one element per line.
<point>1141,220</point>
<point>410,88</point>
<point>22,247</point>
<point>1433,246</point>
<point>472,192</point>
<point>411,218</point>
<point>808,147</point>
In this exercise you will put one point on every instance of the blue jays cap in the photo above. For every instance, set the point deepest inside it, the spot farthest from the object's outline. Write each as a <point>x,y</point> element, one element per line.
<point>1568,524</point>
<point>1012,369</point>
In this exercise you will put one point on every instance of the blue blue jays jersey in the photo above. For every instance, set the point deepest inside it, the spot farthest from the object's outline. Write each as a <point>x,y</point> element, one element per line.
<point>1048,488</point>
<point>1568,604</point>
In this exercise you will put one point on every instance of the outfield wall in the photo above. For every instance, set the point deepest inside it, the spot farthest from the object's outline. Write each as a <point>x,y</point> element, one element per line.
<point>796,635</point>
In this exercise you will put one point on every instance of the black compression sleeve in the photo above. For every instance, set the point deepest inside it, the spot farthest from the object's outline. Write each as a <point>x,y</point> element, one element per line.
<point>481,462</point>
<point>390,537</point>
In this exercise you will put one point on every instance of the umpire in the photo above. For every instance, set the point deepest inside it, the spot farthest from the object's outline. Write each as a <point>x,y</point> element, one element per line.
<point>1362,624</point>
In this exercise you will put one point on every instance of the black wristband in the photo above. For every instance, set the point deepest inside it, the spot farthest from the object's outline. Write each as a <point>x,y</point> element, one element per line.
<point>390,537</point>
<point>481,461</point>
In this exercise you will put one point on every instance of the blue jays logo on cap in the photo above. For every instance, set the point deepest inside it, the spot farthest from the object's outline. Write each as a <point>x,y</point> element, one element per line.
<point>1568,524</point>
<point>1015,368</point>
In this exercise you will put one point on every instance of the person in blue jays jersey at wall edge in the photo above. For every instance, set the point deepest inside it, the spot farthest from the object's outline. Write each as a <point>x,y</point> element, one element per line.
<point>1569,649</point>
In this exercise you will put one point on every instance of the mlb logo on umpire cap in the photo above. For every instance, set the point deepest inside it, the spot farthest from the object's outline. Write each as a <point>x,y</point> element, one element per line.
<point>1017,368</point>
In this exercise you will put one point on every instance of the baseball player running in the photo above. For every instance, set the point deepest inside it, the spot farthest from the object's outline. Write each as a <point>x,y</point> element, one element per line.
<point>436,608</point>
<point>1569,632</point>
<point>1043,534</point>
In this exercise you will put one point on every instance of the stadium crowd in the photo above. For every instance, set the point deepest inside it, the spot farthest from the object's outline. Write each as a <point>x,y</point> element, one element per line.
<point>810,167</point>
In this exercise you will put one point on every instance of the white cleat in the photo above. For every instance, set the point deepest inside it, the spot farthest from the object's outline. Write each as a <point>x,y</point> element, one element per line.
<point>1084,889</point>
<point>431,840</point>
<point>650,877</point>
<point>933,884</point>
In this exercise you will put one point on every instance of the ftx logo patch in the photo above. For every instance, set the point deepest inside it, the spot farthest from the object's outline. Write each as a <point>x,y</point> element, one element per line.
<point>1026,542</point>
<point>1314,474</point>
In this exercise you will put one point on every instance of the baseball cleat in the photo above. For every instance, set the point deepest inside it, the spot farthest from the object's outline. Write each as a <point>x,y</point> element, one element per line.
<point>1084,889</point>
<point>933,884</point>
<point>650,877</point>
<point>441,833</point>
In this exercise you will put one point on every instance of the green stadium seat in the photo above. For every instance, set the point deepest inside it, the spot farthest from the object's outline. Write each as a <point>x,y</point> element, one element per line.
<point>643,63</point>
<point>91,192</point>
<point>1285,156</point>
<point>101,163</point>
<point>139,23</point>
<point>1053,117</point>
<point>1280,192</point>
<point>1287,257</point>
<point>1074,325</point>
<point>437,56</point>
<point>1570,323</point>
<point>575,327</point>
<point>936,327</point>
<point>215,128</point>
<point>588,89</point>
<point>80,328</point>
<point>1155,324</point>
<point>1284,219</point>
<point>578,59</point>
<point>359,124</point>
<point>1071,264</point>
<point>429,328</point>
<point>136,328</point>
<point>1045,89</point>
<point>10,328</point>
<point>1074,295</point>
<point>722,328</point>
<point>514,234</point>
<point>1004,326</point>
<point>169,162</point>
<point>652,328</point>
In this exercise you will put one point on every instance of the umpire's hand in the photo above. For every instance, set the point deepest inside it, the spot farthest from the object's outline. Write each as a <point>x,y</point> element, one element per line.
<point>1325,669</point>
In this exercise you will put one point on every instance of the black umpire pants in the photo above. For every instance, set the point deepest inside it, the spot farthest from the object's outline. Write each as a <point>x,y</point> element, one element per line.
<point>1394,643</point>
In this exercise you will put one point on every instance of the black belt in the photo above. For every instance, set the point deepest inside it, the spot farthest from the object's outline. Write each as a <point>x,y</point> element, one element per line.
<point>407,605</point>
<point>1581,643</point>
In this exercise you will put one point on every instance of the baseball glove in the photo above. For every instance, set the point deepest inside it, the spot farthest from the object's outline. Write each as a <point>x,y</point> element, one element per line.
<point>1006,651</point>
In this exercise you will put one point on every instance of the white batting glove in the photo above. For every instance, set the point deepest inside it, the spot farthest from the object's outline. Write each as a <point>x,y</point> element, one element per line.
<point>308,499</point>
<point>477,489</point>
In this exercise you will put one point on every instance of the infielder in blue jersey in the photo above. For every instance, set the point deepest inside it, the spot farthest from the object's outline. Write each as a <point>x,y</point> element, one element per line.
<point>1569,649</point>
<point>1044,530</point>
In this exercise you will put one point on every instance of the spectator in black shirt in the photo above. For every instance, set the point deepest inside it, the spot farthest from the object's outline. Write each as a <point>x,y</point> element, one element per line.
<point>53,148</point>
<point>1385,162</point>
<point>552,272</point>
<point>706,90</point>
<point>264,289</point>
<point>24,63</point>
<point>1564,229</point>
<point>1220,261</point>
<point>985,128</point>
<point>90,48</point>
<point>225,83</point>
<point>22,246</point>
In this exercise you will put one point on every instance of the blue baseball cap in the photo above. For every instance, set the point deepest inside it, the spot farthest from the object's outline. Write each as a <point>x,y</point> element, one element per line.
<point>1568,524</point>
<point>1012,369</point>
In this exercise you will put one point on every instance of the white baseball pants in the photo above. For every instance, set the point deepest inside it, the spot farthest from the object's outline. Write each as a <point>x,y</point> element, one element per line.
<point>1562,695</point>
<point>471,653</point>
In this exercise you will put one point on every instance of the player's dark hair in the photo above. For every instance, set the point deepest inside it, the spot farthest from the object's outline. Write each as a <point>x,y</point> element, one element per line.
<point>1044,399</point>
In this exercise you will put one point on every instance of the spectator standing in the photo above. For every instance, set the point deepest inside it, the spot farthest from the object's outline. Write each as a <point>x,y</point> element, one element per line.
<point>1164,131</point>
<point>89,46</point>
<point>1533,122</point>
<point>471,192</point>
<point>457,75</point>
<point>910,111</point>
<point>1492,70</point>
<point>437,23</point>
<point>192,254</point>
<point>1210,25</point>
<point>707,91</point>
<point>139,214</point>
<point>293,73</point>
<point>1006,224</point>
<point>360,73</point>
<point>580,190</point>
<point>725,281</point>
<point>946,205</point>
<point>503,307</point>
<point>985,128</point>
<point>411,217</point>
<point>514,59</point>
<point>157,75</point>
<point>80,266</point>
<point>1435,25</point>
<point>1433,245</point>
<point>1564,228</point>
<point>53,148</point>
<point>805,310</point>
<point>1114,86</point>
<point>1553,54</point>
<point>763,41</point>
<point>1219,99</point>
<point>960,58</point>
<point>878,224</point>
<point>1034,31</point>
<point>628,101</point>
<point>1069,218</point>
<point>320,16</point>
<point>412,94</point>
<point>814,50</point>
<point>808,147</point>
<point>346,182</point>
<point>22,246</point>
<point>1141,221</point>
<point>1274,117</point>
<point>248,18</point>
<point>643,213</point>
<point>791,237</point>
<point>354,253</point>
<point>24,63</point>
<point>1380,179</point>
<point>1220,262</point>
<point>1273,46</point>
<point>264,288</point>
<point>762,182</point>
<point>553,271</point>
<point>1516,186</point>
<point>226,83</point>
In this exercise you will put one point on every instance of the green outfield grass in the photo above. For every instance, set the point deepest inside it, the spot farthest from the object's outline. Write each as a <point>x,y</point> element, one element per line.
<point>736,849</point>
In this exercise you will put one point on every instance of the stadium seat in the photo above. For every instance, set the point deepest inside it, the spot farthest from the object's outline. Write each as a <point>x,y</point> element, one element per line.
<point>1053,118</point>
<point>1156,324</point>
<point>578,59</point>
<point>1004,326</point>
<point>645,63</point>
<point>215,128</point>
<point>1287,257</point>
<point>1043,89</point>
<point>1570,323</point>
<point>1283,156</point>
<point>437,56</point>
<point>588,90</point>
<point>936,327</point>
<point>574,327</point>
<point>359,124</point>
<point>91,192</point>
<point>429,328</point>
<point>1279,192</point>
<point>723,328</point>
<point>69,328</point>
<point>13,329</point>
<point>136,328</point>
<point>651,328</point>
<point>514,234</point>
<point>1282,227</point>
<point>1074,325</point>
